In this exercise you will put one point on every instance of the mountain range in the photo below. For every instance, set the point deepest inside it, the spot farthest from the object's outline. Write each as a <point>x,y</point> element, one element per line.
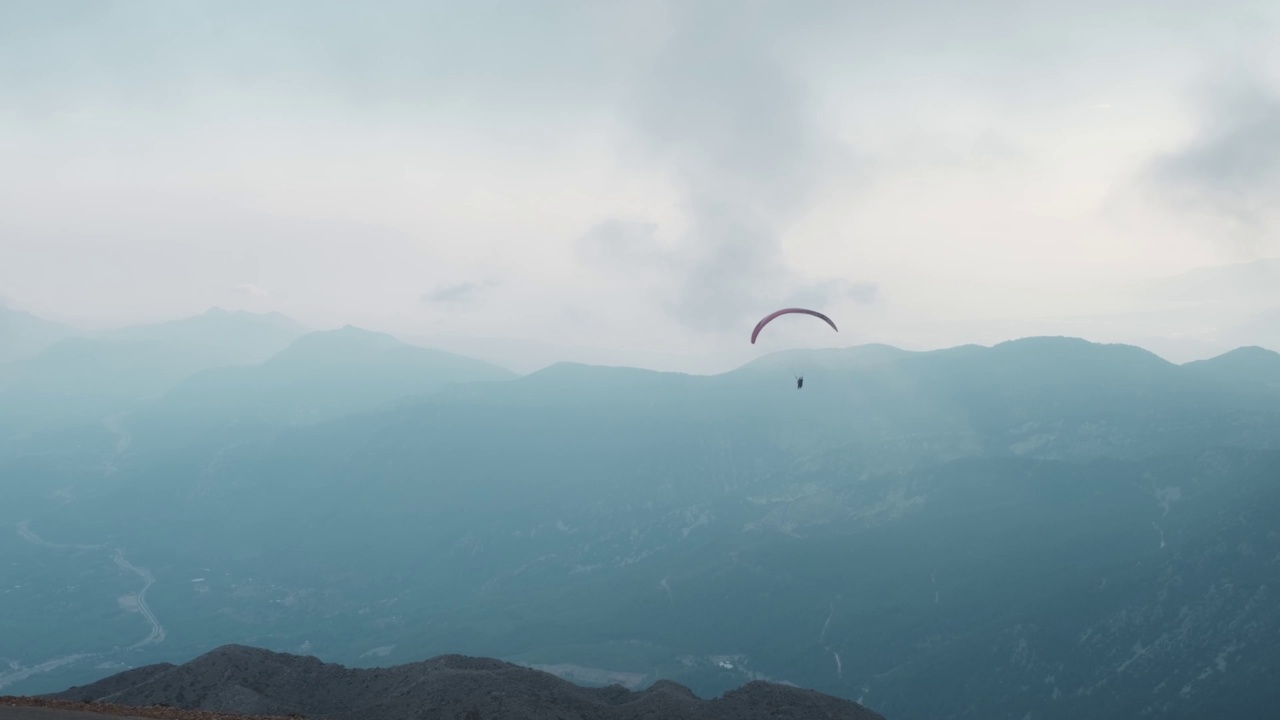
<point>80,377</point>
<point>23,334</point>
<point>1043,528</point>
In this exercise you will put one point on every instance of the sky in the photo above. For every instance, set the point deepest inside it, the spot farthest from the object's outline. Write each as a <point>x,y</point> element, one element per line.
<point>638,181</point>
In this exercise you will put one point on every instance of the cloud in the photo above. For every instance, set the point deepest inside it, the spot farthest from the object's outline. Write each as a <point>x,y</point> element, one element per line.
<point>732,126</point>
<point>623,244</point>
<point>1230,172</point>
<point>251,290</point>
<point>458,293</point>
<point>861,292</point>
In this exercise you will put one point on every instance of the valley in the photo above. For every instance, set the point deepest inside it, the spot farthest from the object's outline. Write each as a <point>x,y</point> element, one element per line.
<point>1097,532</point>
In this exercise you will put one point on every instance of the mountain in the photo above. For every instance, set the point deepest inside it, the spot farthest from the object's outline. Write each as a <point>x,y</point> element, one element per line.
<point>1247,363</point>
<point>23,334</point>
<point>247,680</point>
<point>1191,316</point>
<point>1251,371</point>
<point>319,376</point>
<point>88,377</point>
<point>1047,527</point>
<point>829,358</point>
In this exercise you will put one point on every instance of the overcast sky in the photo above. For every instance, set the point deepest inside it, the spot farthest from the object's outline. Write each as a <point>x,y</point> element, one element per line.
<point>641,176</point>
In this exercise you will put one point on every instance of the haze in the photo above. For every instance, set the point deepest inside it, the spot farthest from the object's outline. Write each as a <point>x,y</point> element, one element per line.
<point>637,182</point>
<point>416,338</point>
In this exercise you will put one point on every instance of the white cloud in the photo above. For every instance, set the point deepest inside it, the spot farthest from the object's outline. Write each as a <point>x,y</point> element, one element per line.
<point>899,162</point>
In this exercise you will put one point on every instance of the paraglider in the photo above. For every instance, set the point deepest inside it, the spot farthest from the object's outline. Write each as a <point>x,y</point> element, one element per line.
<point>789,311</point>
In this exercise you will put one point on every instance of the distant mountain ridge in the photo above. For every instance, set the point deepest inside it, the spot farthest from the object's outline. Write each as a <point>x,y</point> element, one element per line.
<point>320,375</point>
<point>1250,363</point>
<point>1114,397</point>
<point>1251,281</point>
<point>250,681</point>
<point>115,371</point>
<point>23,334</point>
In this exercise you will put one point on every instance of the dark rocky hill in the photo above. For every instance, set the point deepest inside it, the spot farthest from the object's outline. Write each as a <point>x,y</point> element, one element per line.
<point>251,681</point>
<point>36,708</point>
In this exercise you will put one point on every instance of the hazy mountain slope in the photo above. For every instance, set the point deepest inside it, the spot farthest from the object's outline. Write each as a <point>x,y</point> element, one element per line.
<point>1248,372</point>
<point>1251,283</point>
<point>1051,566</point>
<point>113,372</point>
<point>319,376</point>
<point>826,359</point>
<point>1050,397</point>
<point>1007,526</point>
<point>252,681</point>
<point>23,334</point>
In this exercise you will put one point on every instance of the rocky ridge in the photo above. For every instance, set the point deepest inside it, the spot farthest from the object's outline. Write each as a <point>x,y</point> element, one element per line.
<point>246,681</point>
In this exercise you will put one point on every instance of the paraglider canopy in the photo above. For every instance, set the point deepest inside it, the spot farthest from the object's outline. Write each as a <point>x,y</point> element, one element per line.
<point>789,311</point>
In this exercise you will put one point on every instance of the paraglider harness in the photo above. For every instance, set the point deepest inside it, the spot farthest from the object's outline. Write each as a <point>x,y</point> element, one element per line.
<point>799,381</point>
